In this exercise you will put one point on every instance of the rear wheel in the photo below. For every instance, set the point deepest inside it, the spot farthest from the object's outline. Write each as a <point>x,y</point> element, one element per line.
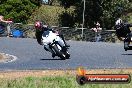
<point>59,53</point>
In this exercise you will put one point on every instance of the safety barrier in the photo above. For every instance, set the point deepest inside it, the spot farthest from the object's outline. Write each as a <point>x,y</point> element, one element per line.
<point>88,34</point>
<point>77,34</point>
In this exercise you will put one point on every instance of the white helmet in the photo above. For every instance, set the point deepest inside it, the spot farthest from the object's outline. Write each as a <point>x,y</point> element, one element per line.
<point>118,22</point>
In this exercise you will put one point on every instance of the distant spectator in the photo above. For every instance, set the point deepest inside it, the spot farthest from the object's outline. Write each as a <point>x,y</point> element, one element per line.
<point>97,31</point>
<point>97,28</point>
<point>2,20</point>
<point>8,24</point>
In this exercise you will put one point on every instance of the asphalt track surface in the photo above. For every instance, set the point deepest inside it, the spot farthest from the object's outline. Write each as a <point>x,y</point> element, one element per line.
<point>91,55</point>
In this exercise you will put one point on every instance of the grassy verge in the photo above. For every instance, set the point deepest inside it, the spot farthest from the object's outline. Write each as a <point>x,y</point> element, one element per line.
<point>53,82</point>
<point>55,79</point>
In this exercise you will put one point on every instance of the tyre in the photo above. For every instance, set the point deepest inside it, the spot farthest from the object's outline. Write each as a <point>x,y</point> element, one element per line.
<point>67,55</point>
<point>59,53</point>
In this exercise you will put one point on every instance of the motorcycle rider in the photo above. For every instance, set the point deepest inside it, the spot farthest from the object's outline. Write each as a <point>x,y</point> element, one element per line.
<point>40,29</point>
<point>122,29</point>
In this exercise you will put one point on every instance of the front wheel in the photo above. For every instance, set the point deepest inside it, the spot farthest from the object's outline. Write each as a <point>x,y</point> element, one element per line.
<point>58,52</point>
<point>67,55</point>
<point>126,45</point>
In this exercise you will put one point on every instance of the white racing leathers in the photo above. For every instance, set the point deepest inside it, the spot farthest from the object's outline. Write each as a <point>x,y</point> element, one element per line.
<point>49,37</point>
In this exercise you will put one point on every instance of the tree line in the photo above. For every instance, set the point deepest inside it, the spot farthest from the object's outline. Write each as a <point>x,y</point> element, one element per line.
<point>103,11</point>
<point>18,10</point>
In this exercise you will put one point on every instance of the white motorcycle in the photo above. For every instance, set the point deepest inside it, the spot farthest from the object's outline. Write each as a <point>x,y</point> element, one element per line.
<point>56,44</point>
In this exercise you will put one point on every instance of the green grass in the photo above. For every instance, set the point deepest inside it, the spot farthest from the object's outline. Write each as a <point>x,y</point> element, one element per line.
<point>53,82</point>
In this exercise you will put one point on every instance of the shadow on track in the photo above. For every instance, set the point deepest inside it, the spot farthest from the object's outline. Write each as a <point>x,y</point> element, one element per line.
<point>126,54</point>
<point>51,59</point>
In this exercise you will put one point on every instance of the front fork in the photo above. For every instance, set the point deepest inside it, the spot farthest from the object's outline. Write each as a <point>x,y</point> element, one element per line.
<point>127,41</point>
<point>61,48</point>
<point>128,38</point>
